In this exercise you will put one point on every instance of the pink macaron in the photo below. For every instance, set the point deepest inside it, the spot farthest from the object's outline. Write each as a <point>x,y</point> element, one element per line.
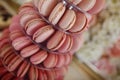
<point>66,45</point>
<point>86,5</point>
<point>33,73</point>
<point>77,43</point>
<point>33,25</point>
<point>29,50</point>
<point>46,6</point>
<point>43,33</point>
<point>50,61</point>
<point>57,13</point>
<point>14,63</point>
<point>68,20</point>
<point>56,41</point>
<point>23,69</point>
<point>39,57</point>
<point>75,2</point>
<point>99,5</point>
<point>21,42</point>
<point>80,23</point>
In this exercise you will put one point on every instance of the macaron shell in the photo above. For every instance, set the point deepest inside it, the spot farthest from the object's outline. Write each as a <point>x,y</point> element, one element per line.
<point>68,58</point>
<point>87,4</point>
<point>43,33</point>
<point>50,75</point>
<point>10,65</point>
<point>57,13</point>
<point>27,17</point>
<point>33,73</point>
<point>25,5</point>
<point>40,75</point>
<point>61,60</point>
<point>77,43</point>
<point>22,71</point>
<point>68,20</point>
<point>7,55</point>
<point>46,6</point>
<point>8,59</point>
<point>60,43</point>
<point>97,7</point>
<point>75,2</point>
<point>3,42</point>
<point>15,64</point>
<point>15,34</point>
<point>80,22</point>
<point>33,25</point>
<point>7,76</point>
<point>39,57</point>
<point>66,45</point>
<point>44,75</point>
<point>36,2</point>
<point>50,61</point>
<point>55,40</point>
<point>5,49</point>
<point>21,42</point>
<point>29,50</point>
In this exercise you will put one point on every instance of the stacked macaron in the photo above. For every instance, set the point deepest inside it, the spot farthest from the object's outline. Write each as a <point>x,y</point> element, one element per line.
<point>43,37</point>
<point>14,67</point>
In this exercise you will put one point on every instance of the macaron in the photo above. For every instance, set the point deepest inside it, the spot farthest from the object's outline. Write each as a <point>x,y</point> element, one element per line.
<point>61,60</point>
<point>2,71</point>
<point>8,59</point>
<point>23,69</point>
<point>33,73</point>
<point>68,58</point>
<point>75,2</point>
<point>77,43</point>
<point>7,55</point>
<point>3,42</point>
<point>14,63</point>
<point>41,75</point>
<point>39,57</point>
<point>27,16</point>
<point>57,13</point>
<point>44,75</point>
<point>86,5</point>
<point>99,5</point>
<point>56,41</point>
<point>4,50</point>
<point>25,7</point>
<point>7,76</point>
<point>29,50</point>
<point>35,2</point>
<point>66,45</point>
<point>50,74</point>
<point>50,61</point>
<point>33,25</point>
<point>43,33</point>
<point>80,23</point>
<point>46,6</point>
<point>15,34</point>
<point>21,42</point>
<point>68,20</point>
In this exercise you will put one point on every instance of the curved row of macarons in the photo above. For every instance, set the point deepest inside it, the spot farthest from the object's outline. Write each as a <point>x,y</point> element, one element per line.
<point>27,49</point>
<point>30,72</point>
<point>53,40</point>
<point>90,6</point>
<point>20,67</point>
<point>69,20</point>
<point>5,74</point>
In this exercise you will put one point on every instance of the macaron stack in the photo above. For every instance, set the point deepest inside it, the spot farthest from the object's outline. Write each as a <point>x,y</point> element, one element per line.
<point>43,37</point>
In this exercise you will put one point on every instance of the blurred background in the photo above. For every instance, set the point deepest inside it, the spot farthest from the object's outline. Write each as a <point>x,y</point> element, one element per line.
<point>99,57</point>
